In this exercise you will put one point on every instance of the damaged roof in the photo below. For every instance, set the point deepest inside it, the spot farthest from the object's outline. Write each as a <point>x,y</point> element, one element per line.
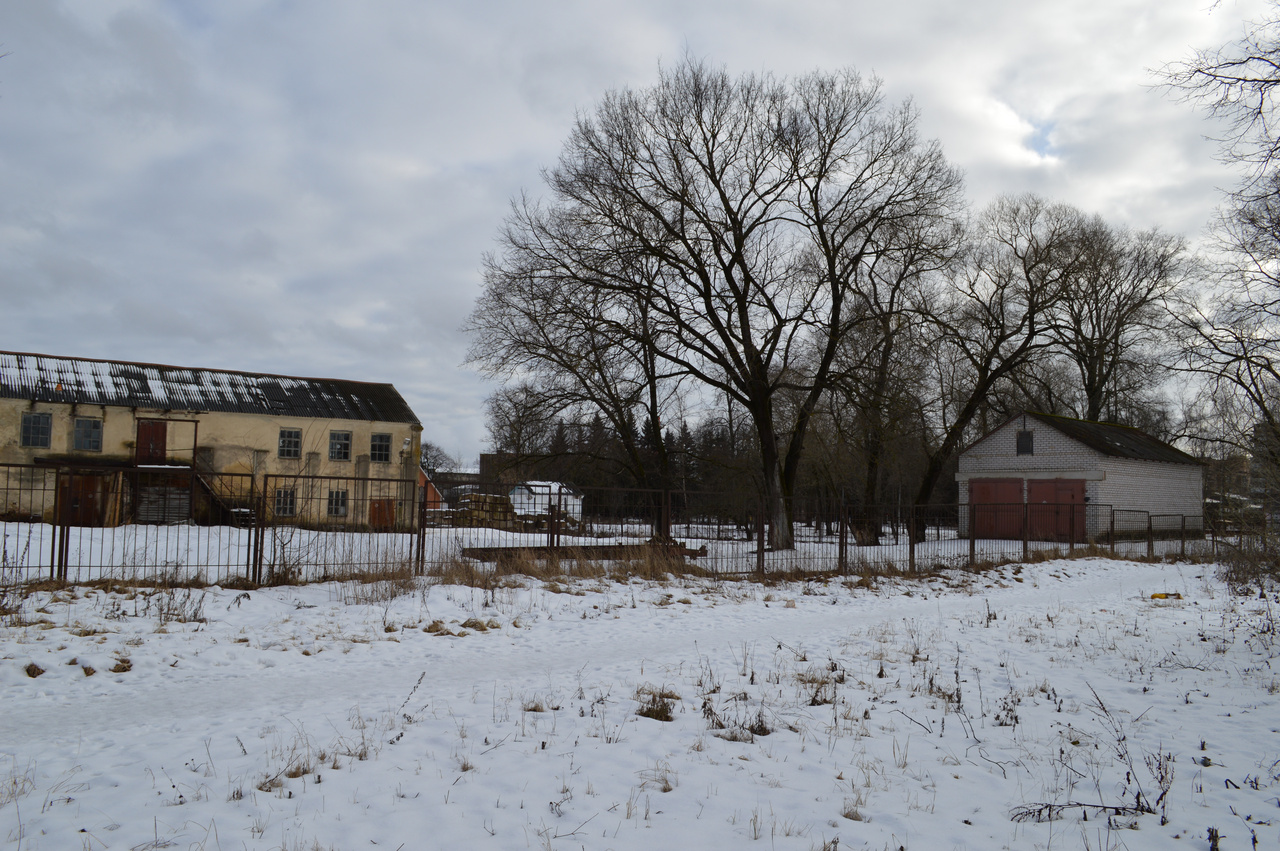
<point>47,378</point>
<point>1115,440</point>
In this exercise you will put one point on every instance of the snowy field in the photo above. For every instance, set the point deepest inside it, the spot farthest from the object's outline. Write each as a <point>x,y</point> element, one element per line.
<point>1066,704</point>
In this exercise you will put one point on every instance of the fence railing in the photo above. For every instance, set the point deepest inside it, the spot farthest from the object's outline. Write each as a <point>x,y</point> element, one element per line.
<point>84,523</point>
<point>81,524</point>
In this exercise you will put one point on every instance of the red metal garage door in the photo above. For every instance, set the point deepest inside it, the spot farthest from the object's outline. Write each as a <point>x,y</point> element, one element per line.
<point>1056,509</point>
<point>997,508</point>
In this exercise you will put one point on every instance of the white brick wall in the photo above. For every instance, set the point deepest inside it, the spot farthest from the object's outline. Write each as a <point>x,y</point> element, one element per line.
<point>1055,456</point>
<point>1153,486</point>
<point>1124,483</point>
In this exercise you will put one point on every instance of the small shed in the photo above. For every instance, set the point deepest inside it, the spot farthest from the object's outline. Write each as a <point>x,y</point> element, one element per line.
<point>535,499</point>
<point>1057,478</point>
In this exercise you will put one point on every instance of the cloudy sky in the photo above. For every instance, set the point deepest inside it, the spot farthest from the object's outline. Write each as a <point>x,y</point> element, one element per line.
<point>307,187</point>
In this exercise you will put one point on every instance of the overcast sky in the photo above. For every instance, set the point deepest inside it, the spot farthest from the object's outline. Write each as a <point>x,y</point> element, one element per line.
<point>307,187</point>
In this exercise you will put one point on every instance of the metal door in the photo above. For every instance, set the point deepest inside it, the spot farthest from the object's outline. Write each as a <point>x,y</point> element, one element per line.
<point>152,436</point>
<point>997,508</point>
<point>1056,509</point>
<point>382,514</point>
<point>80,503</point>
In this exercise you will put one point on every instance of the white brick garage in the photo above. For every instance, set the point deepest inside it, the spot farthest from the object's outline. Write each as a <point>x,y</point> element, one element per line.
<point>1074,477</point>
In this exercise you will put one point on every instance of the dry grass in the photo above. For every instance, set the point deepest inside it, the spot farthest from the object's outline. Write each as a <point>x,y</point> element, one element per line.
<point>656,702</point>
<point>569,563</point>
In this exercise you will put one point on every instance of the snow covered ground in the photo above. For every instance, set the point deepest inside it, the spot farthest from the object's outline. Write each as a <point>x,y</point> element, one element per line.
<point>1054,705</point>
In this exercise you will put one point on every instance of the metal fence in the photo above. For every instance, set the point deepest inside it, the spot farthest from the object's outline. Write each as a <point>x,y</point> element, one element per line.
<point>729,534</point>
<point>81,524</point>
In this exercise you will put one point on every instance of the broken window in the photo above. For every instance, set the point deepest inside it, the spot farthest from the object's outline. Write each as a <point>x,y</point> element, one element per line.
<point>339,446</point>
<point>88,435</point>
<point>290,443</point>
<point>380,448</point>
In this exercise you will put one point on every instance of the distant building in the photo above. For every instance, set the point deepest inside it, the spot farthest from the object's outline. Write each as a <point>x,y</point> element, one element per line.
<point>98,416</point>
<point>536,499</point>
<point>1078,472</point>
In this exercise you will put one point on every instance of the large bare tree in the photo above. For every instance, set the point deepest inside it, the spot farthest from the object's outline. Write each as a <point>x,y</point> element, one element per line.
<point>1232,335</point>
<point>995,314</point>
<point>750,204</point>
<point>582,351</point>
<point>1112,323</point>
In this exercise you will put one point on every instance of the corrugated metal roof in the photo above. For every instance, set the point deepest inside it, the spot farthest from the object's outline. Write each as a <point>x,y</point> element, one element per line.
<point>1115,440</point>
<point>46,378</point>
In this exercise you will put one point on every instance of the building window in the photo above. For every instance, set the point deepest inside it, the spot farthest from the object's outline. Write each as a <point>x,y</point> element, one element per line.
<point>1025,444</point>
<point>337,503</point>
<point>339,446</point>
<point>88,435</point>
<point>37,430</point>
<point>380,448</point>
<point>286,502</point>
<point>290,443</point>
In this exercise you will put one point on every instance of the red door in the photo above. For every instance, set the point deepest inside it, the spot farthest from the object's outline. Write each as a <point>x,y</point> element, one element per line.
<point>997,508</point>
<point>81,499</point>
<point>1056,509</point>
<point>151,447</point>
<point>382,514</point>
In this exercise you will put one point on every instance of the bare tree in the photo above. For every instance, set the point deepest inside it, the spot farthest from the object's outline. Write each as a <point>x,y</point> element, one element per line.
<point>435,459</point>
<point>995,314</point>
<point>519,421</point>
<point>1237,83</point>
<point>750,204</point>
<point>1112,323</point>
<point>582,351</point>
<point>1232,336</point>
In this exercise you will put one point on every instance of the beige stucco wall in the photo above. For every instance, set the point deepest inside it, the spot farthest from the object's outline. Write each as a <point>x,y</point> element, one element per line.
<point>119,432</point>
<point>221,443</point>
<point>230,442</point>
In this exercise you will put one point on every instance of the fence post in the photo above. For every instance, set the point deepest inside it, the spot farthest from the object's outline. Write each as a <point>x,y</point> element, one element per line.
<point>842,562</point>
<point>260,528</point>
<point>253,523</point>
<point>760,536</point>
<point>911,538</point>
<point>1113,531</point>
<point>1182,538</point>
<point>1026,530</point>
<point>1151,538</point>
<point>973,533</point>
<point>1071,529</point>
<point>420,539</point>
<point>56,547</point>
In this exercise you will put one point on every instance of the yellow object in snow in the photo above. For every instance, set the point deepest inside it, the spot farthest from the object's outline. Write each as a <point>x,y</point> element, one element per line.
<point>1163,596</point>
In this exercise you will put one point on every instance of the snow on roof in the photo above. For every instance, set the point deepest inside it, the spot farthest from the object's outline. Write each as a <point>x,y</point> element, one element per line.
<point>49,378</point>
